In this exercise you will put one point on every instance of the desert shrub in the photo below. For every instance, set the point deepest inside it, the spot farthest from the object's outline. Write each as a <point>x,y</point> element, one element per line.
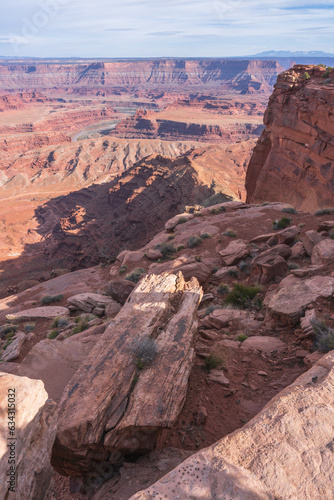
<point>194,241</point>
<point>198,258</point>
<point>244,266</point>
<point>243,296</point>
<point>215,269</point>
<point>212,361</point>
<point>9,339</point>
<point>234,273</point>
<point>210,309</point>
<point>135,275</point>
<point>180,247</point>
<point>167,249</point>
<point>182,220</point>
<point>122,270</point>
<point>5,329</point>
<point>59,322</point>
<point>289,210</point>
<point>306,75</point>
<point>223,289</point>
<point>242,337</point>
<point>293,265</point>
<point>230,233</point>
<point>50,299</point>
<point>205,236</point>
<point>324,336</point>
<point>171,237</point>
<point>215,199</point>
<point>53,334</point>
<point>282,223</point>
<point>144,351</point>
<point>82,324</point>
<point>324,211</point>
<point>29,327</point>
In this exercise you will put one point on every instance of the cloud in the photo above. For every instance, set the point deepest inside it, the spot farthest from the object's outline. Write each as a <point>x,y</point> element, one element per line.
<point>165,33</point>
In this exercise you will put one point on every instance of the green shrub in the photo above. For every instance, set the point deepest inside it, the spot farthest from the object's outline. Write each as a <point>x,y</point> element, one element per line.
<point>242,337</point>
<point>212,361</point>
<point>144,351</point>
<point>122,270</point>
<point>205,236</point>
<point>135,275</point>
<point>289,210</point>
<point>167,249</point>
<point>171,237</point>
<point>53,334</point>
<point>5,329</point>
<point>180,247</point>
<point>59,322</point>
<point>230,233</point>
<point>223,289</point>
<point>233,273</point>
<point>9,339</point>
<point>82,324</point>
<point>29,327</point>
<point>282,223</point>
<point>182,220</point>
<point>324,336</point>
<point>198,258</point>
<point>293,265</point>
<point>210,309</point>
<point>324,211</point>
<point>215,269</point>
<point>243,296</point>
<point>306,75</point>
<point>194,241</point>
<point>50,299</point>
<point>244,266</point>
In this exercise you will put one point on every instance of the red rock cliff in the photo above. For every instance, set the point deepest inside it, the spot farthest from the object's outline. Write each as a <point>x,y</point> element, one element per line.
<point>293,160</point>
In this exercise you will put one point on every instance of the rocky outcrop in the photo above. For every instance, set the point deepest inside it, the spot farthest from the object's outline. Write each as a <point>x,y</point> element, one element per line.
<point>293,160</point>
<point>29,443</point>
<point>286,451</point>
<point>110,409</point>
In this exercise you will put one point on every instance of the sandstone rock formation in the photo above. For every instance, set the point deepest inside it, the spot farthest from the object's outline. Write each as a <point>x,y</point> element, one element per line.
<point>33,435</point>
<point>293,159</point>
<point>286,451</point>
<point>114,409</point>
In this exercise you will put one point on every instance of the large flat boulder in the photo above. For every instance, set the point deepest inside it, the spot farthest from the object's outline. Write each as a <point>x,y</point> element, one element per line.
<point>13,350</point>
<point>47,312</point>
<point>111,408</point>
<point>186,265</point>
<point>90,302</point>
<point>30,442</point>
<point>323,253</point>
<point>234,252</point>
<point>290,302</point>
<point>264,344</point>
<point>286,451</point>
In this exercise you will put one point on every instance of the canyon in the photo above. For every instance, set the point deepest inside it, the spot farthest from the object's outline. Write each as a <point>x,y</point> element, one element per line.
<point>167,278</point>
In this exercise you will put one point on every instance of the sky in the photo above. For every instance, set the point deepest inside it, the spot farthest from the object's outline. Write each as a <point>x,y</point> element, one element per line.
<point>163,28</point>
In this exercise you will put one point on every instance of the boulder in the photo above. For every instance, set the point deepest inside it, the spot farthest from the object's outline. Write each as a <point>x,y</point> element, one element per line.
<point>310,239</point>
<point>13,350</point>
<point>298,250</point>
<point>218,377</point>
<point>120,289</point>
<point>88,302</point>
<point>56,362</point>
<point>47,312</point>
<point>262,238</point>
<point>174,221</point>
<point>326,225</point>
<point>307,272</point>
<point>270,265</point>
<point>128,257</point>
<point>187,266</point>
<point>110,408</point>
<point>220,318</point>
<point>286,451</point>
<point>286,236</point>
<point>289,303</point>
<point>223,273</point>
<point>323,253</point>
<point>234,252</point>
<point>153,254</point>
<point>264,344</point>
<point>33,437</point>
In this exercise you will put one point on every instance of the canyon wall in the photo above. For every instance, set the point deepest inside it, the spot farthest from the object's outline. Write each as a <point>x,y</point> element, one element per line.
<point>293,160</point>
<point>102,77</point>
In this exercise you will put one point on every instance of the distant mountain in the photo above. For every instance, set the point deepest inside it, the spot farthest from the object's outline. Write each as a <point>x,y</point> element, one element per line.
<point>288,53</point>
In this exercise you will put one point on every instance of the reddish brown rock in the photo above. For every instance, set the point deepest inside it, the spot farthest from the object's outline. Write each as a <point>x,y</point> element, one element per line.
<point>235,251</point>
<point>323,253</point>
<point>120,290</point>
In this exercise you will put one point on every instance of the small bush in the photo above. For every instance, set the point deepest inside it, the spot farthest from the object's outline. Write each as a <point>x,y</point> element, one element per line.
<point>243,296</point>
<point>9,339</point>
<point>135,275</point>
<point>325,75</point>
<point>29,327</point>
<point>306,75</point>
<point>171,237</point>
<point>212,361</point>
<point>167,249</point>
<point>53,334</point>
<point>293,265</point>
<point>205,236</point>
<point>59,322</point>
<point>50,299</point>
<point>198,258</point>
<point>194,241</point>
<point>122,270</point>
<point>324,336</point>
<point>282,223</point>
<point>230,233</point>
<point>244,266</point>
<point>82,324</point>
<point>289,210</point>
<point>234,273</point>
<point>215,269</point>
<point>324,211</point>
<point>5,329</point>
<point>180,247</point>
<point>210,309</point>
<point>182,220</point>
<point>242,337</point>
<point>223,289</point>
<point>144,350</point>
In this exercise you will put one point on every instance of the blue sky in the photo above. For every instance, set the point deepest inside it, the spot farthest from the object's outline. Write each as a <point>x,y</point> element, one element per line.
<point>179,28</point>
